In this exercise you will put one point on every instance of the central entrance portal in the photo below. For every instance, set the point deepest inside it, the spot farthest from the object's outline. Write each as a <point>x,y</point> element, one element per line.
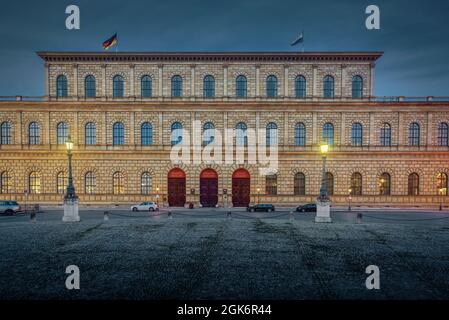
<point>209,188</point>
<point>176,188</point>
<point>241,183</point>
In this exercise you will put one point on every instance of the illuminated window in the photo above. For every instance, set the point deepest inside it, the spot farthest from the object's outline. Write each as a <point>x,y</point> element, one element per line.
<point>300,87</point>
<point>413,184</point>
<point>62,133</point>
<point>176,133</point>
<point>209,86</point>
<point>5,182</point>
<point>328,87</point>
<point>442,184</point>
<point>90,134</point>
<point>5,133</point>
<point>271,185</point>
<point>357,87</point>
<point>146,87</point>
<point>118,183</point>
<point>117,87</point>
<point>61,86</point>
<point>241,134</point>
<point>356,184</point>
<point>90,183</point>
<point>146,134</point>
<point>34,183</point>
<point>299,184</point>
<point>61,182</point>
<point>34,133</point>
<point>145,183</point>
<point>241,87</point>
<point>272,86</point>
<point>384,184</point>
<point>90,89</point>
<point>118,134</point>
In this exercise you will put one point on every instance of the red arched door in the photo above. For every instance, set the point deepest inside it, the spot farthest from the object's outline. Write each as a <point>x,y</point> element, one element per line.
<point>176,188</point>
<point>209,188</point>
<point>241,183</point>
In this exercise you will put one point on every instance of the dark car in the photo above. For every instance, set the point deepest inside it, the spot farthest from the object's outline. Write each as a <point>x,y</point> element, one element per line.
<point>260,207</point>
<point>309,207</point>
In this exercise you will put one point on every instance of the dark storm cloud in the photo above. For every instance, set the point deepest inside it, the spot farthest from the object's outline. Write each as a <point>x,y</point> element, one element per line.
<point>414,34</point>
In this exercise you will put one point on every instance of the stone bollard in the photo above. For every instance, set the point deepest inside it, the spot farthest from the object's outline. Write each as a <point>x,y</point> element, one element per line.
<point>291,216</point>
<point>229,215</point>
<point>106,216</point>
<point>359,218</point>
<point>170,216</point>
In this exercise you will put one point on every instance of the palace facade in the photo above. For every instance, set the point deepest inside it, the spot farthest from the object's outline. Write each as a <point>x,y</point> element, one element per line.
<point>125,112</point>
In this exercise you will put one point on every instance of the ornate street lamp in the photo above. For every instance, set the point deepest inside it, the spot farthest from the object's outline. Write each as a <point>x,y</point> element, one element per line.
<point>323,202</point>
<point>323,191</point>
<point>350,198</point>
<point>258,195</point>
<point>70,199</point>
<point>441,191</point>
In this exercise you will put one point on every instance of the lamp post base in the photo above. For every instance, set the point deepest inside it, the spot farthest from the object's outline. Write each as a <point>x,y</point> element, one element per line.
<point>323,211</point>
<point>71,213</point>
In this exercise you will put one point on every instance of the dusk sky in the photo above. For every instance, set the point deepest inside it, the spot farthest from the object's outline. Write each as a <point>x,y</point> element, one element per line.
<point>414,34</point>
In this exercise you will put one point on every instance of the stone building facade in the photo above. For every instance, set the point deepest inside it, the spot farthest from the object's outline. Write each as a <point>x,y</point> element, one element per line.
<point>122,111</point>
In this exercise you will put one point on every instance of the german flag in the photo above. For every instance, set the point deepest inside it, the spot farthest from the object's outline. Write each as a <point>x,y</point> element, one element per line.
<point>110,42</point>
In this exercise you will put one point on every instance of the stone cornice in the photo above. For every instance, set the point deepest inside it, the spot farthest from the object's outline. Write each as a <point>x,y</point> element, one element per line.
<point>159,57</point>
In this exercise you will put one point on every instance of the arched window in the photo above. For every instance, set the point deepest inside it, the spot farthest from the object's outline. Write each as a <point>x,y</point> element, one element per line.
<point>328,87</point>
<point>356,134</point>
<point>357,87</point>
<point>442,184</point>
<point>272,134</point>
<point>300,134</point>
<point>272,86</point>
<point>145,183</point>
<point>5,133</point>
<point>328,134</point>
<point>356,184</point>
<point>61,182</point>
<point>146,87</point>
<point>209,133</point>
<point>176,133</point>
<point>299,184</point>
<point>413,184</point>
<point>62,133</point>
<point>385,184</point>
<point>5,182</point>
<point>146,134</point>
<point>34,183</point>
<point>117,86</point>
<point>61,86</point>
<point>90,183</point>
<point>118,134</point>
<point>34,133</point>
<point>413,134</point>
<point>241,87</point>
<point>209,86</point>
<point>176,86</point>
<point>90,89</point>
<point>271,185</point>
<point>385,135</point>
<point>329,183</point>
<point>118,183</point>
<point>241,134</point>
<point>443,136</point>
<point>300,87</point>
<point>90,134</point>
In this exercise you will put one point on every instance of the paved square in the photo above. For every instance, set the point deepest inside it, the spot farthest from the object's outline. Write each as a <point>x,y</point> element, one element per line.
<point>204,255</point>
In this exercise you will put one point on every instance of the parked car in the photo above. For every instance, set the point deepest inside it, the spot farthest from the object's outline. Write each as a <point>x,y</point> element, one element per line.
<point>261,207</point>
<point>146,206</point>
<point>9,207</point>
<point>309,207</point>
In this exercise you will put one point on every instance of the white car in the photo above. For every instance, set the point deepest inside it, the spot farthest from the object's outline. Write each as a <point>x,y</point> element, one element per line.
<point>146,206</point>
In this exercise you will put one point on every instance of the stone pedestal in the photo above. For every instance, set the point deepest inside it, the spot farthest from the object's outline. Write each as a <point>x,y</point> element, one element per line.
<point>71,213</point>
<point>323,211</point>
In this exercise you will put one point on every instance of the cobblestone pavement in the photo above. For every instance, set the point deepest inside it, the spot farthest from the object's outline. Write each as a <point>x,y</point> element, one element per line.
<point>202,254</point>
